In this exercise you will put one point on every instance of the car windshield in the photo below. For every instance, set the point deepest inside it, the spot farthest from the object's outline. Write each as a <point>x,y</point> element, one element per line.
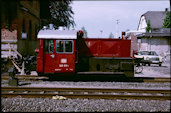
<point>153,53</point>
<point>148,53</point>
<point>144,52</point>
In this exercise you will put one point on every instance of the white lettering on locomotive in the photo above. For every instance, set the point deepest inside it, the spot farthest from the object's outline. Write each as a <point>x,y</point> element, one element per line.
<point>63,65</point>
<point>63,60</point>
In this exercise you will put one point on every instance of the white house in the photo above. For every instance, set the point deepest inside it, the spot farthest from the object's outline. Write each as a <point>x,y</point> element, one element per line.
<point>159,38</point>
<point>156,19</point>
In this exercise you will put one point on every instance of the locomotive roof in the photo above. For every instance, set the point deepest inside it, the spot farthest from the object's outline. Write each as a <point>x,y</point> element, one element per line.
<point>57,34</point>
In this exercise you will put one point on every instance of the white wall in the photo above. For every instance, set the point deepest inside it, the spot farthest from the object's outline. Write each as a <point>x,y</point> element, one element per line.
<point>142,25</point>
<point>158,44</point>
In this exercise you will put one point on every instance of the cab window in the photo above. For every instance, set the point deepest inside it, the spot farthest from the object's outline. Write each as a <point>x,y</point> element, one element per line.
<point>49,46</point>
<point>59,46</point>
<point>68,46</point>
<point>64,46</point>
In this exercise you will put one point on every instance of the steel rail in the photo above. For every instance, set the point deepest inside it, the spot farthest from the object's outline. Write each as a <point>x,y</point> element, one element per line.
<point>156,79</point>
<point>85,89</point>
<point>90,96</point>
<point>25,77</point>
<point>143,79</point>
<point>86,93</point>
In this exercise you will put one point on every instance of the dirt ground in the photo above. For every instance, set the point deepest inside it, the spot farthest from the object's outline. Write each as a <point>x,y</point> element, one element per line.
<point>155,70</point>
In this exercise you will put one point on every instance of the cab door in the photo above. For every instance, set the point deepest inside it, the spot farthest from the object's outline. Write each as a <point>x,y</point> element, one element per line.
<point>49,56</point>
<point>65,56</point>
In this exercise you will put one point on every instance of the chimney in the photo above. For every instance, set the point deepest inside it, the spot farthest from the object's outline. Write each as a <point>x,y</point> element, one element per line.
<point>123,34</point>
<point>51,26</point>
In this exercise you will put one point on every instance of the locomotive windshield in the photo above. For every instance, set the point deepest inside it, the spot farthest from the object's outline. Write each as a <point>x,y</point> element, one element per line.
<point>64,46</point>
<point>59,46</point>
<point>68,46</point>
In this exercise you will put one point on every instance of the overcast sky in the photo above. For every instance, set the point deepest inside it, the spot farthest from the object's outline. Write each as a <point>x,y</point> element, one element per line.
<point>98,16</point>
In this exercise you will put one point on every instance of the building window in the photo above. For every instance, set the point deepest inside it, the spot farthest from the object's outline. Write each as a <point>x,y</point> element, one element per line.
<point>35,31</point>
<point>30,29</point>
<point>139,40</point>
<point>144,40</point>
<point>37,4</point>
<point>23,25</point>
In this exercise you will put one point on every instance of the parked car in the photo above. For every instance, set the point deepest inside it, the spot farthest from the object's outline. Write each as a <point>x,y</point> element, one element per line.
<point>149,57</point>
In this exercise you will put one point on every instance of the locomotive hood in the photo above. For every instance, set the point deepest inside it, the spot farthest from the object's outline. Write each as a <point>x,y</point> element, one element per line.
<point>57,34</point>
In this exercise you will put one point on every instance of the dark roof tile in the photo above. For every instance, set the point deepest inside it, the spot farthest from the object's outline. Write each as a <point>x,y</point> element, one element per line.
<point>156,18</point>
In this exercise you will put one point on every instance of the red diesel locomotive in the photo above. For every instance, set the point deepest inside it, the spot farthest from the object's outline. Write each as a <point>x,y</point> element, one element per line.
<point>66,51</point>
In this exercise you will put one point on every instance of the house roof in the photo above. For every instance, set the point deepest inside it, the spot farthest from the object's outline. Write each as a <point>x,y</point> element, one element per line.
<point>156,18</point>
<point>162,32</point>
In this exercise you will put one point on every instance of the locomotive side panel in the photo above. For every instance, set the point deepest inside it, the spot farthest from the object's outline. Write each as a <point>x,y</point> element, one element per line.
<point>83,64</point>
<point>104,47</point>
<point>110,48</point>
<point>40,57</point>
<point>105,55</point>
<point>106,64</point>
<point>102,64</point>
<point>125,48</point>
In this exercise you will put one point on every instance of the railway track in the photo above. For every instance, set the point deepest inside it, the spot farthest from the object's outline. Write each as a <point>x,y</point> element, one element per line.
<point>156,79</point>
<point>97,93</point>
<point>27,77</point>
<point>135,79</point>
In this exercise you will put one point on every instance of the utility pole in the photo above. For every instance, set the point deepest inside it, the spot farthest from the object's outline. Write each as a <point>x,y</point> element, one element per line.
<point>150,38</point>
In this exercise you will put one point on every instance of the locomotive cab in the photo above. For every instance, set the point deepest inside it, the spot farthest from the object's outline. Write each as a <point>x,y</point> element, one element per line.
<point>56,51</point>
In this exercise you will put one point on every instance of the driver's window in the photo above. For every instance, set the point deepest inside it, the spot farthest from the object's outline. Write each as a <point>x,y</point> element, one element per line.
<point>68,46</point>
<point>64,46</point>
<point>59,46</point>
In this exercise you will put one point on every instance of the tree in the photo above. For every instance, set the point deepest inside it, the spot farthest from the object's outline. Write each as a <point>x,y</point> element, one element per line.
<point>148,28</point>
<point>166,23</point>
<point>61,14</point>
<point>85,32</point>
<point>111,35</point>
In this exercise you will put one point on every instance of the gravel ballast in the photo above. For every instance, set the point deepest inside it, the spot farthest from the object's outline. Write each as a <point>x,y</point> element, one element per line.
<point>19,104</point>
